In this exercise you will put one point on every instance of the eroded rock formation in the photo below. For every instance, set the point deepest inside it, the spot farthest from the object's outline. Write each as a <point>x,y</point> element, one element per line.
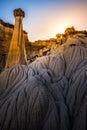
<point>16,53</point>
<point>6,31</point>
<point>33,49</point>
<point>48,94</point>
<point>40,48</point>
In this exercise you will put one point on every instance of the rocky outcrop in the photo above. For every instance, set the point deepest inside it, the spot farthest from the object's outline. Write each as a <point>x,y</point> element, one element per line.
<point>16,54</point>
<point>48,94</point>
<point>40,48</point>
<point>6,31</point>
<point>33,49</point>
<point>45,47</point>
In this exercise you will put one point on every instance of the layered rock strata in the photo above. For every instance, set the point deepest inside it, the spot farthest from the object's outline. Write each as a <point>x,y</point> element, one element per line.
<point>48,94</point>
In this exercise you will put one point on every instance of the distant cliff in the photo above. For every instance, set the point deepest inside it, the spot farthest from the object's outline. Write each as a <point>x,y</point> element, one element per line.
<point>33,49</point>
<point>40,48</point>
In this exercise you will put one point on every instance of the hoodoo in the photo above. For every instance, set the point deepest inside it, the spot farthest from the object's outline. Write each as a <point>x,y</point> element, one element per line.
<point>16,51</point>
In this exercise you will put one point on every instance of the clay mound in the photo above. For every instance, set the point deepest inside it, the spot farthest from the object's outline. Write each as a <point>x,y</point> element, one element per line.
<point>50,93</point>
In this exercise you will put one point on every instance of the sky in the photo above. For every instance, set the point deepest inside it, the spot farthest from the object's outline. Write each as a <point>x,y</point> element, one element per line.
<point>45,18</point>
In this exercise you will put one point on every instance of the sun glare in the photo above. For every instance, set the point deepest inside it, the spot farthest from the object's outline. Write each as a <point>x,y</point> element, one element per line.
<point>59,30</point>
<point>61,27</point>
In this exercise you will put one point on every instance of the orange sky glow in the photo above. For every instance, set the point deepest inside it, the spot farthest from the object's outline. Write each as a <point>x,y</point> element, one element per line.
<point>45,18</point>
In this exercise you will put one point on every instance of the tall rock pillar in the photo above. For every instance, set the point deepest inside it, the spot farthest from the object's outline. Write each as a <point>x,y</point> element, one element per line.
<point>16,51</point>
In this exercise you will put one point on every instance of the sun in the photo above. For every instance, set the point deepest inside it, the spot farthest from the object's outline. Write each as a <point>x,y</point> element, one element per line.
<point>60,29</point>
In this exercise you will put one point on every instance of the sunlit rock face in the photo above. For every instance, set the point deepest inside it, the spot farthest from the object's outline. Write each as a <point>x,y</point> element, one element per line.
<point>6,31</point>
<point>16,54</point>
<point>48,94</point>
<point>33,49</point>
<point>40,48</point>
